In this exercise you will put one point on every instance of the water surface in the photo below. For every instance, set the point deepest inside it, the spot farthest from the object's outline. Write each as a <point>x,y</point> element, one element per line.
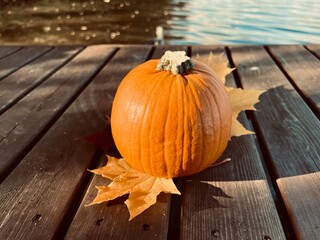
<point>162,21</point>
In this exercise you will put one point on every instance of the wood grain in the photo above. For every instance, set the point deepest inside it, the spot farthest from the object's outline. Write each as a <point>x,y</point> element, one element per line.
<point>303,68</point>
<point>18,84</point>
<point>22,126</point>
<point>301,195</point>
<point>315,49</point>
<point>219,202</point>
<point>18,59</point>
<point>7,50</point>
<point>41,193</point>
<point>289,130</point>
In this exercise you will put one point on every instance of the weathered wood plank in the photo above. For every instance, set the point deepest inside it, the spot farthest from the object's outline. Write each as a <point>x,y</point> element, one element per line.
<point>14,61</point>
<point>315,49</point>
<point>160,50</point>
<point>304,70</point>
<point>152,224</point>
<point>39,198</point>
<point>218,202</point>
<point>6,50</point>
<point>42,193</point>
<point>287,124</point>
<point>289,129</point>
<point>18,84</point>
<point>23,124</point>
<point>302,202</point>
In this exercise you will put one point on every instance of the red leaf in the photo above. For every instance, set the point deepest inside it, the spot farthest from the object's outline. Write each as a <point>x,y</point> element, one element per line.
<point>103,140</point>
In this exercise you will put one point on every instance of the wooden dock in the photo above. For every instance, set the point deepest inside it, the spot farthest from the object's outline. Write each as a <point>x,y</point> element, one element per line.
<point>51,97</point>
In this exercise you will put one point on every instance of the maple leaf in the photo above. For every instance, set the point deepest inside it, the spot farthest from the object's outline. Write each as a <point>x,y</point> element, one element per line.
<point>219,64</point>
<point>241,100</point>
<point>143,189</point>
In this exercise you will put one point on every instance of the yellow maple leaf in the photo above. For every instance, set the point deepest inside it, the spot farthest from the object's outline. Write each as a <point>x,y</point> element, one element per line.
<point>241,100</point>
<point>219,64</point>
<point>143,189</point>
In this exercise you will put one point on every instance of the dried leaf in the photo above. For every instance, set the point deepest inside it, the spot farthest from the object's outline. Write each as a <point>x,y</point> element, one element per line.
<point>114,168</point>
<point>241,100</point>
<point>237,129</point>
<point>219,64</point>
<point>143,189</point>
<point>216,164</point>
<point>145,195</point>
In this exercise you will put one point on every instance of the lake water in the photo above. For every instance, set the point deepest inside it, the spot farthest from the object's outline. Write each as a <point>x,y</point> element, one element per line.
<point>159,22</point>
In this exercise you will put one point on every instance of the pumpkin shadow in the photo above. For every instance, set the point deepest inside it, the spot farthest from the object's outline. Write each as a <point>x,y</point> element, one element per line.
<point>208,194</point>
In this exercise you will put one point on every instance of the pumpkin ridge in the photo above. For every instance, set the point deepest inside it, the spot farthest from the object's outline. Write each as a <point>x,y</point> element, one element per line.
<point>220,145</point>
<point>193,88</point>
<point>187,136</point>
<point>209,85</point>
<point>213,112</point>
<point>221,120</point>
<point>166,157</point>
<point>221,135</point>
<point>210,113</point>
<point>181,88</point>
<point>138,154</point>
<point>144,119</point>
<point>131,125</point>
<point>219,110</point>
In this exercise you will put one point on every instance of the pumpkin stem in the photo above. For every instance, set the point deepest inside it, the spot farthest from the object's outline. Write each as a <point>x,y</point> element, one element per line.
<point>177,62</point>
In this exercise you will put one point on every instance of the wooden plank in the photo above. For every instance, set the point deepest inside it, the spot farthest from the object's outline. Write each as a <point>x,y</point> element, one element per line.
<point>152,224</point>
<point>40,108</point>
<point>160,50</point>
<point>289,129</point>
<point>302,202</point>
<point>303,68</point>
<point>18,84</point>
<point>14,61</point>
<point>315,49</point>
<point>7,50</point>
<point>39,198</point>
<point>232,201</point>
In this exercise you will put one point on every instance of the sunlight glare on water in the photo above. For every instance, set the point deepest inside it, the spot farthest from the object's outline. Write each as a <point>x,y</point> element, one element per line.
<point>159,22</point>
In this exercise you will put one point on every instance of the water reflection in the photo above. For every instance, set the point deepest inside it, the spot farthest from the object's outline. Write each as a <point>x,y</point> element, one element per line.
<point>161,21</point>
<point>78,22</point>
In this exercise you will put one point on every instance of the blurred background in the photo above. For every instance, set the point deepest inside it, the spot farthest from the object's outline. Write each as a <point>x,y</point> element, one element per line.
<point>64,22</point>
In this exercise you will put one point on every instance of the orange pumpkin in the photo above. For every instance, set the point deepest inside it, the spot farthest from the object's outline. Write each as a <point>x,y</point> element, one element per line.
<point>168,120</point>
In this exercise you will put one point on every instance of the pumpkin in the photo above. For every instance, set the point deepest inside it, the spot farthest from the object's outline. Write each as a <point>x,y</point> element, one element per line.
<point>171,117</point>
